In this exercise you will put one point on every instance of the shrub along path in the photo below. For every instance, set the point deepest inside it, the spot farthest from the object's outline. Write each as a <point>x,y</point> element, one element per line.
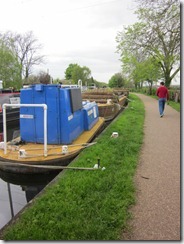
<point>156,215</point>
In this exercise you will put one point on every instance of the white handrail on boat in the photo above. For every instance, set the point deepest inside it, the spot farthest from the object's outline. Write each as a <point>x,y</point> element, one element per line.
<point>25,105</point>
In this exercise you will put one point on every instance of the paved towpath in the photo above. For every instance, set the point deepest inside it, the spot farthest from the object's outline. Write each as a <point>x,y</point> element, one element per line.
<point>156,215</point>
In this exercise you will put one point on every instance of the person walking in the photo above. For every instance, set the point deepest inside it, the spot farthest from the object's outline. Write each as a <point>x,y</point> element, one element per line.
<point>163,96</point>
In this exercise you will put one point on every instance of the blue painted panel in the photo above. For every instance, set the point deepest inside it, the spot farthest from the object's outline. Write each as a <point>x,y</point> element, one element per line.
<point>91,115</point>
<point>71,124</point>
<point>27,116</point>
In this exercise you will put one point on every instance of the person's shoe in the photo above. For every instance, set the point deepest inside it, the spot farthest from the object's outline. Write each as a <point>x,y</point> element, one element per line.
<point>161,115</point>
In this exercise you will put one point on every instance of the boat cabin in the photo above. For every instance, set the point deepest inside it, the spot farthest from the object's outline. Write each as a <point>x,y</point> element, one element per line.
<point>67,115</point>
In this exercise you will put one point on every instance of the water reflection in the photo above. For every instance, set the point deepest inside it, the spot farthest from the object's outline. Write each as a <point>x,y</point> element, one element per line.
<point>18,201</point>
<point>17,190</point>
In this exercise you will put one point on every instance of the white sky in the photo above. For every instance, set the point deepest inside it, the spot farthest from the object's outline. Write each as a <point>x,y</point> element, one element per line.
<point>72,31</point>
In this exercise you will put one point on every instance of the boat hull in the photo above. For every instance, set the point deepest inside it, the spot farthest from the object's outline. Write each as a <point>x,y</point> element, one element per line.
<point>25,179</point>
<point>108,111</point>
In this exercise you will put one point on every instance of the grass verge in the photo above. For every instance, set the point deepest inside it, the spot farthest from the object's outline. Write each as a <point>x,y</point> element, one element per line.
<point>89,205</point>
<point>174,105</point>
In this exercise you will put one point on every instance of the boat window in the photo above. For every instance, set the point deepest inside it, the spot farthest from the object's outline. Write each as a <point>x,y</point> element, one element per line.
<point>76,99</point>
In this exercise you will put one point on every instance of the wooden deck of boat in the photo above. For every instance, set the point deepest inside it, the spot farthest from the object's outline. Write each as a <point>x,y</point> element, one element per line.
<point>34,152</point>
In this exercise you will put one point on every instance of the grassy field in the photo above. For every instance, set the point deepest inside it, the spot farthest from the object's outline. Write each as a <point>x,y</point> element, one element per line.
<point>89,205</point>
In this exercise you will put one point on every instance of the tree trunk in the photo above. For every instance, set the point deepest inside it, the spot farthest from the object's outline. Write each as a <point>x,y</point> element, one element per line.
<point>176,97</point>
<point>168,78</point>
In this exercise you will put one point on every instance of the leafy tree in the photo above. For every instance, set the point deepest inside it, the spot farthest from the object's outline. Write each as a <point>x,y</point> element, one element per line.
<point>9,68</point>
<point>57,81</point>
<point>69,70</point>
<point>75,72</point>
<point>98,84</point>
<point>86,75</point>
<point>116,80</point>
<point>157,35</point>
<point>147,70</point>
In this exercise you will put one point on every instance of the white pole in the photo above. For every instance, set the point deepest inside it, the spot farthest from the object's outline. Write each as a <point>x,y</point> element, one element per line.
<point>4,129</point>
<point>25,105</point>
<point>80,84</point>
<point>45,129</point>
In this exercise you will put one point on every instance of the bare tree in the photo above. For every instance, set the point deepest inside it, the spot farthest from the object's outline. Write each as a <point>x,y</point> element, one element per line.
<point>44,77</point>
<point>26,48</point>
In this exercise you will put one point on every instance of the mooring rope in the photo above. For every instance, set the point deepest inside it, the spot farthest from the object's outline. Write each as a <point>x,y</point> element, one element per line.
<point>43,166</point>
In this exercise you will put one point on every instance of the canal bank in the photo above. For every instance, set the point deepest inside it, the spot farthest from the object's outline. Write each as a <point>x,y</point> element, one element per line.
<point>88,204</point>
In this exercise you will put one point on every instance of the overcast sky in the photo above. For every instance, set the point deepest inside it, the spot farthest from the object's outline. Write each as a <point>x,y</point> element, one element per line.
<point>72,31</point>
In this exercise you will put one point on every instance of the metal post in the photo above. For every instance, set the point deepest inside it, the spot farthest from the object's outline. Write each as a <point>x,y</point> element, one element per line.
<point>4,129</point>
<point>98,163</point>
<point>10,200</point>
<point>45,130</point>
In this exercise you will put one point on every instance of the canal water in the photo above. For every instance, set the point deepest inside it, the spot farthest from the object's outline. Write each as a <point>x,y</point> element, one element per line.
<point>17,190</point>
<point>18,201</point>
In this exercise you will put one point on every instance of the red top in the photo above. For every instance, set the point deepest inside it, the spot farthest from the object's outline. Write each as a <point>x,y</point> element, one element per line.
<point>162,92</point>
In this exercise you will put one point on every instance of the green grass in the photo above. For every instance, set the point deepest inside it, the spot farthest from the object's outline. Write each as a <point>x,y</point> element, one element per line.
<point>173,104</point>
<point>89,205</point>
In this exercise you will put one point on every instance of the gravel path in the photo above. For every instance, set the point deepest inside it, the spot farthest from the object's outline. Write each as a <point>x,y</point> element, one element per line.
<point>156,215</point>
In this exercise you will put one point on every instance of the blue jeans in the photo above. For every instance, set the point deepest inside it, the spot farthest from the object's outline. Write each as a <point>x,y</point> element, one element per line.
<point>161,105</point>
